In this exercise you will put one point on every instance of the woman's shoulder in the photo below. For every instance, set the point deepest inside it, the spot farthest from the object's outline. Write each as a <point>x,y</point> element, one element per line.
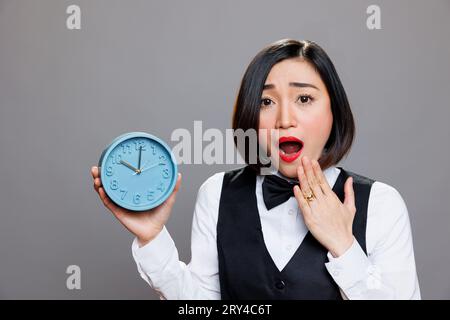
<point>386,204</point>
<point>379,188</point>
<point>208,197</point>
<point>388,198</point>
<point>387,215</point>
<point>384,198</point>
<point>213,182</point>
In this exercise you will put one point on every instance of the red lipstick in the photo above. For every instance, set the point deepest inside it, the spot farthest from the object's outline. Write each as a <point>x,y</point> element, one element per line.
<point>289,148</point>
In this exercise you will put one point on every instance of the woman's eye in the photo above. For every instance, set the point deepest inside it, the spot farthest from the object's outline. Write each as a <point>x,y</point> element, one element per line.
<point>265,102</point>
<point>305,99</point>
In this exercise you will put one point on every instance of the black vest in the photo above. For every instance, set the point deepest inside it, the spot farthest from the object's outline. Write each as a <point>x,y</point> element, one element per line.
<point>246,269</point>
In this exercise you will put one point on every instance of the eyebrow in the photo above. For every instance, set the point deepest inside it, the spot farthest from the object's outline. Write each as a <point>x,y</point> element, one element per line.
<point>292,84</point>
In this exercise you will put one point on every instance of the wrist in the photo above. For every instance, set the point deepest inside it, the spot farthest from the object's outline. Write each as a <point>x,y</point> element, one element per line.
<point>142,241</point>
<point>342,247</point>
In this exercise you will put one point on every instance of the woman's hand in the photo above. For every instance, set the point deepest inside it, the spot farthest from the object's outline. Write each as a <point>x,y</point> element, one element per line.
<point>144,225</point>
<point>327,218</point>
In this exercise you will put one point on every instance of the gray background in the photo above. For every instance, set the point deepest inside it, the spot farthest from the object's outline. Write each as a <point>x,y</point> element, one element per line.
<point>159,65</point>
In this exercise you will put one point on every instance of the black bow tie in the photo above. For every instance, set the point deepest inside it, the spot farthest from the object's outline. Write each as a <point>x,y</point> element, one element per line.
<point>276,190</point>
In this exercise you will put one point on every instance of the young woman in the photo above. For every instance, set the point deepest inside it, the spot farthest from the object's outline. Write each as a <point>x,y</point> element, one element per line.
<point>311,230</point>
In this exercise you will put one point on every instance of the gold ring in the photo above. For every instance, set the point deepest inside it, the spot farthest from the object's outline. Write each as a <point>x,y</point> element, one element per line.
<point>310,197</point>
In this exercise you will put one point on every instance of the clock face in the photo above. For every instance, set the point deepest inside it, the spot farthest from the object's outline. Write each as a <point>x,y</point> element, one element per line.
<point>138,171</point>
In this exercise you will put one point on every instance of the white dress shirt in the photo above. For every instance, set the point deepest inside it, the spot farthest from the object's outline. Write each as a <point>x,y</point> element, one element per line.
<point>387,272</point>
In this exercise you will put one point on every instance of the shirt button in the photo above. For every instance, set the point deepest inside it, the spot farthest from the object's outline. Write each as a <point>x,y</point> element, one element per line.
<point>291,212</point>
<point>280,285</point>
<point>371,270</point>
<point>373,283</point>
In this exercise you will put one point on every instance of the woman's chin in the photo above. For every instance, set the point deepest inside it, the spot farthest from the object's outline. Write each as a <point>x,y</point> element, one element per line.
<point>289,170</point>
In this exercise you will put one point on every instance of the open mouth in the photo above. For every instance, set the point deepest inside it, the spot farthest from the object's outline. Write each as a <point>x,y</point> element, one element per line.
<point>289,148</point>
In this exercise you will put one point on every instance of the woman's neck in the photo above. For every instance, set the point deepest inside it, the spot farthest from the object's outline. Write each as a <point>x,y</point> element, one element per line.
<point>278,173</point>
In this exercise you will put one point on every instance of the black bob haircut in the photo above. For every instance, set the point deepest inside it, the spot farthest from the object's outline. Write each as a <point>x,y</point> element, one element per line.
<point>248,102</point>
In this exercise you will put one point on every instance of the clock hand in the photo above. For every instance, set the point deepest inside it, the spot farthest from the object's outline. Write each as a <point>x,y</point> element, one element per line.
<point>149,167</point>
<point>130,166</point>
<point>140,154</point>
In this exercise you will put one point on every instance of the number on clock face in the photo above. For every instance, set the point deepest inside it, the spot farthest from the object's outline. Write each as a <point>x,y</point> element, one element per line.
<point>138,171</point>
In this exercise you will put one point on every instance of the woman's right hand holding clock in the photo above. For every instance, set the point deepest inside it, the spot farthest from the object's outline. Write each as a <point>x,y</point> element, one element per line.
<point>144,225</point>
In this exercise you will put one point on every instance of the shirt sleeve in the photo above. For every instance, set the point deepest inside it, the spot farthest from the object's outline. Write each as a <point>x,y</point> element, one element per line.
<point>158,261</point>
<point>388,271</point>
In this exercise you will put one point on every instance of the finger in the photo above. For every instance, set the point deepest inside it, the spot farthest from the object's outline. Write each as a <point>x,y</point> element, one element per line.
<point>304,184</point>
<point>171,200</point>
<point>304,187</point>
<point>104,197</point>
<point>349,199</point>
<point>94,172</point>
<point>97,183</point>
<point>178,184</point>
<point>311,177</point>
<point>302,203</point>
<point>108,203</point>
<point>321,179</point>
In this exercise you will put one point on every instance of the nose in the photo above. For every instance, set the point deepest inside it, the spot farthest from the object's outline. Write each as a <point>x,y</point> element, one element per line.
<point>286,117</point>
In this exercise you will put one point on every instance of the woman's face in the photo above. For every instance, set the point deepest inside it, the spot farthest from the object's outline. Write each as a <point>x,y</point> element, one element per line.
<point>295,107</point>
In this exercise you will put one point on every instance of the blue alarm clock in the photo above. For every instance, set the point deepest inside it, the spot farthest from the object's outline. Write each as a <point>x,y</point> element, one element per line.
<point>138,171</point>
